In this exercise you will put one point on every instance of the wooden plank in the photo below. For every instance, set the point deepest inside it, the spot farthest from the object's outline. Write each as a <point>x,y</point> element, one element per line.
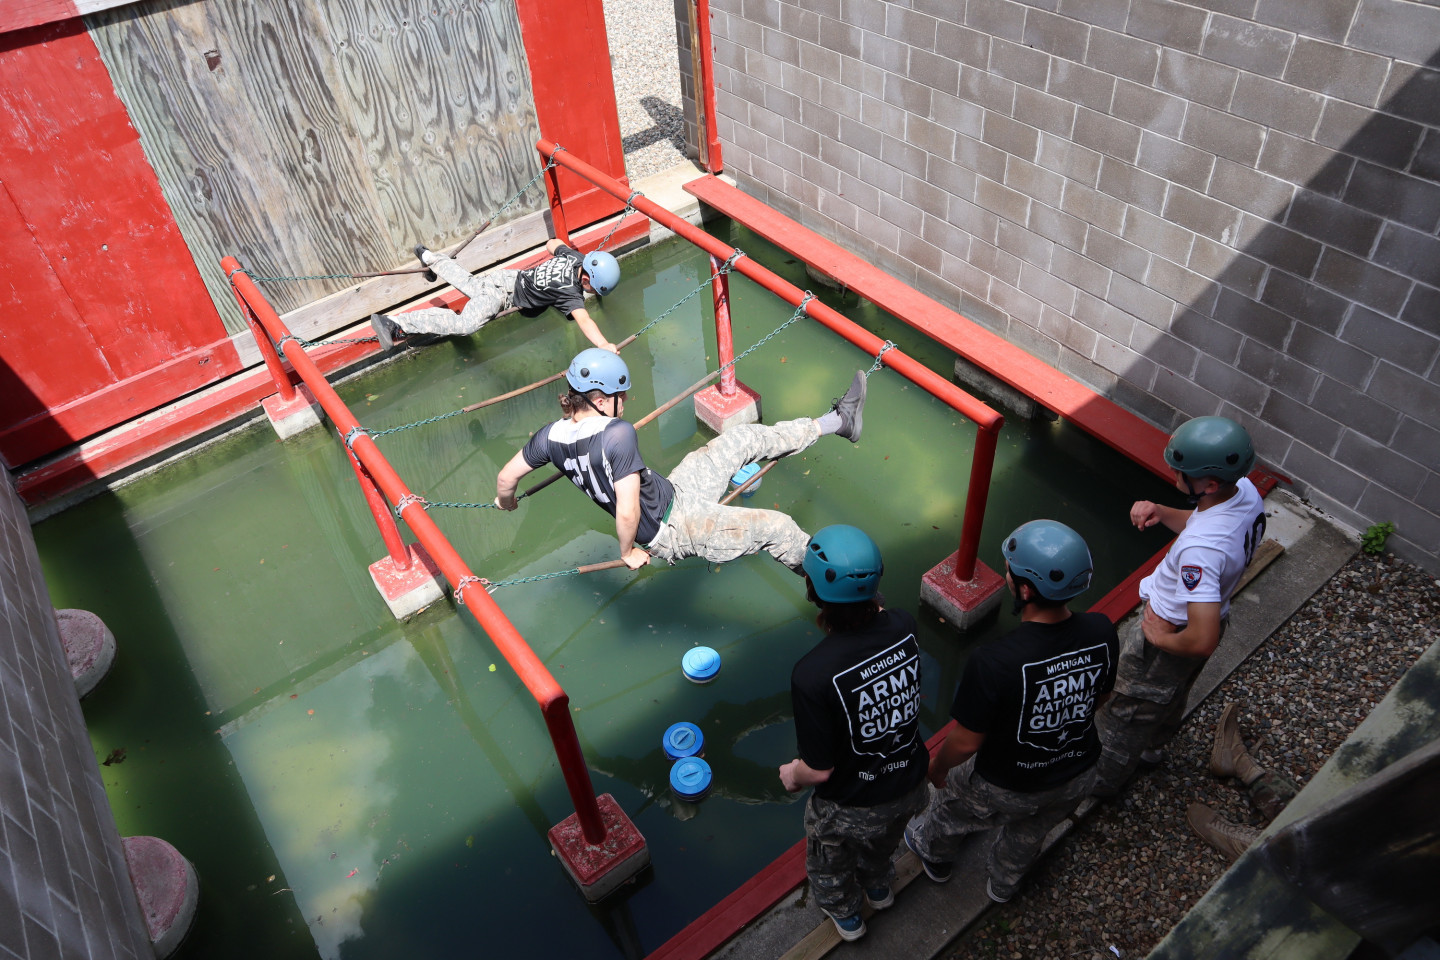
<point>825,937</point>
<point>325,139</point>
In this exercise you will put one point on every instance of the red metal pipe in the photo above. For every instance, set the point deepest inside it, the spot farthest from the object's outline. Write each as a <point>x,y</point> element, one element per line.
<point>380,510</point>
<point>724,337</point>
<point>985,418</point>
<point>469,591</point>
<point>705,84</point>
<point>557,207</point>
<point>283,386</point>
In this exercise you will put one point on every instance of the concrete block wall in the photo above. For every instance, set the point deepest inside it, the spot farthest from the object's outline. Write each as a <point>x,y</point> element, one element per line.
<point>1217,206</point>
<point>64,887</point>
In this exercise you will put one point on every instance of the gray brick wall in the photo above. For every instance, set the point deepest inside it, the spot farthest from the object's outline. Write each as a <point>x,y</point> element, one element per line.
<point>1196,208</point>
<point>64,887</point>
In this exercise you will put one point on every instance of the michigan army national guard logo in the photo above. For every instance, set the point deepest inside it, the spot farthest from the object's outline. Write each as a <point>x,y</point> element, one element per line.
<point>881,697</point>
<point>1060,697</point>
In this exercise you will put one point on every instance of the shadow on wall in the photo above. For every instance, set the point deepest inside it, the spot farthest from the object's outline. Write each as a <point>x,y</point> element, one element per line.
<point>1322,335</point>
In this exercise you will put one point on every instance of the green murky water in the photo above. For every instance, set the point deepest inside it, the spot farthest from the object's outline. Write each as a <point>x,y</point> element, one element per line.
<point>350,786</point>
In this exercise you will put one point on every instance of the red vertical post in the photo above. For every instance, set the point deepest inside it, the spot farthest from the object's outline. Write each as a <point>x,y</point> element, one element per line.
<point>982,464</point>
<point>705,83</point>
<point>283,386</point>
<point>572,764</point>
<point>724,337</point>
<point>557,205</point>
<point>380,510</point>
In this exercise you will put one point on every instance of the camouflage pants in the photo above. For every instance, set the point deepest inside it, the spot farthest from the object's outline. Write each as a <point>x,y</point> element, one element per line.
<point>969,803</point>
<point>1147,707</point>
<point>491,294</point>
<point>847,849</point>
<point>700,527</point>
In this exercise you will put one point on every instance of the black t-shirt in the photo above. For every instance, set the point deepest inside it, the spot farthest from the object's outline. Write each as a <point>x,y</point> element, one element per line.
<point>857,710</point>
<point>595,453</point>
<point>551,283</point>
<point>1033,694</point>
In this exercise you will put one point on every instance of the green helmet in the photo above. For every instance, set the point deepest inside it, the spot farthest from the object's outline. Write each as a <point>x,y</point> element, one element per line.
<point>1211,447</point>
<point>843,564</point>
<point>1051,556</point>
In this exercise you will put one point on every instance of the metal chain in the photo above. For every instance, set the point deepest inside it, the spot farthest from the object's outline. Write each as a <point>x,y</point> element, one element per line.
<point>494,585</point>
<point>410,499</point>
<point>350,276</point>
<point>466,581</point>
<point>880,357</point>
<point>629,209</point>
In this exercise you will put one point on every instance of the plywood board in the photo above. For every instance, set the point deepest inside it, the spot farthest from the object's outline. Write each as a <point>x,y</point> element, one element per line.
<point>324,137</point>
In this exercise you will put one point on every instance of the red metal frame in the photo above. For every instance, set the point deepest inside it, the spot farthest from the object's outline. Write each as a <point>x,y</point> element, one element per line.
<point>986,419</point>
<point>553,701</point>
<point>724,336</point>
<point>703,55</point>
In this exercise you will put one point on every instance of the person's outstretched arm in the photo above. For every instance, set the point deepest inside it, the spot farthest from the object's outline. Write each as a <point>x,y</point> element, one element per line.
<point>510,476</point>
<point>627,520</point>
<point>591,329</point>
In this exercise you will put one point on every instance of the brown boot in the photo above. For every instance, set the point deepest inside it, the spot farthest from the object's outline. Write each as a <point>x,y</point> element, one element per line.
<point>1231,839</point>
<point>1228,758</point>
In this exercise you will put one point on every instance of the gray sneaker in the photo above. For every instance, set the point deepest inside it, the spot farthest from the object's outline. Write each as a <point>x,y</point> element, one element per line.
<point>420,251</point>
<point>851,408</point>
<point>387,331</point>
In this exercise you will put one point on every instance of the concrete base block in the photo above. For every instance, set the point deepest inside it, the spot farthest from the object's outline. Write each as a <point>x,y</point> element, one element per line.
<point>601,869</point>
<point>167,888</point>
<point>720,413</point>
<point>962,603</point>
<point>294,417</point>
<point>408,591</point>
<point>984,385</point>
<point>89,647</point>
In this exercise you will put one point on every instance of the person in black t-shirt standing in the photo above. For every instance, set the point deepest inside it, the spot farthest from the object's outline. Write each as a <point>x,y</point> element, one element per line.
<point>679,516</point>
<point>560,282</point>
<point>1022,752</point>
<point>856,698</point>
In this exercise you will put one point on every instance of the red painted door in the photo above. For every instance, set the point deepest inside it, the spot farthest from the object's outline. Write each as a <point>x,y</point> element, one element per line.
<point>103,315</point>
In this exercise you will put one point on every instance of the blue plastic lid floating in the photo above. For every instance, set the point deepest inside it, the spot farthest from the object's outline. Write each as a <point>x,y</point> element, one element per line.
<point>743,474</point>
<point>690,778</point>
<point>683,740</point>
<point>700,664</point>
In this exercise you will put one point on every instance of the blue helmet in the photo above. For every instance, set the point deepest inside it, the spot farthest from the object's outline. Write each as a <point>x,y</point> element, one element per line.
<point>603,270</point>
<point>843,564</point>
<point>598,369</point>
<point>1051,556</point>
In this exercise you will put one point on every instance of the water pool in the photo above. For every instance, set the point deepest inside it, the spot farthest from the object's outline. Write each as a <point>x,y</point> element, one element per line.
<point>350,786</point>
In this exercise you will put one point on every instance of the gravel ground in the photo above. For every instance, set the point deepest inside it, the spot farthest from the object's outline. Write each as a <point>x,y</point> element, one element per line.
<point>1133,869</point>
<point>645,61</point>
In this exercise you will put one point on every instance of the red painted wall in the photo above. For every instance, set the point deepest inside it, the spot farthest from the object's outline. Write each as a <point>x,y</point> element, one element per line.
<point>569,57</point>
<point>103,305</point>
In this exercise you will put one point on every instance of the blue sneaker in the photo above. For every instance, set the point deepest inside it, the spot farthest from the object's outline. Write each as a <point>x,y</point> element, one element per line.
<point>849,928</point>
<point>939,872</point>
<point>879,897</point>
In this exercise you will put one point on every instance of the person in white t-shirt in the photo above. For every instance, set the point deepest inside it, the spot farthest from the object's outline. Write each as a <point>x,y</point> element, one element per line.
<point>1186,599</point>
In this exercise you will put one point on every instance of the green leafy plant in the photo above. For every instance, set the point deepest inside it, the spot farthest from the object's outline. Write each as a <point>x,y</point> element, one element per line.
<point>1373,540</point>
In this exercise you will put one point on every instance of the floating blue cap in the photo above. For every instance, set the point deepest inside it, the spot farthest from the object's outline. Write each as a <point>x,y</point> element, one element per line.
<point>690,778</point>
<point>700,664</point>
<point>745,473</point>
<point>683,740</point>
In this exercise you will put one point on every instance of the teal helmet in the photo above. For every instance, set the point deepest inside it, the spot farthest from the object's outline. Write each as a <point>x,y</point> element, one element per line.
<point>1051,556</point>
<point>1211,447</point>
<point>598,369</point>
<point>603,271</point>
<point>843,564</point>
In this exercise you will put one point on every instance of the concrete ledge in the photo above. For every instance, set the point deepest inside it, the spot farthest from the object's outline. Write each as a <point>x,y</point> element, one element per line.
<point>167,888</point>
<point>89,648</point>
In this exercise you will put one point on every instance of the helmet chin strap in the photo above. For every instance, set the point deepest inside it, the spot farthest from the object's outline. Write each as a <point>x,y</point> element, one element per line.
<point>1194,497</point>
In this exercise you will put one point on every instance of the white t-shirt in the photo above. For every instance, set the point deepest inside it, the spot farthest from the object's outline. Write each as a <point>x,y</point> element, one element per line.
<point>1206,560</point>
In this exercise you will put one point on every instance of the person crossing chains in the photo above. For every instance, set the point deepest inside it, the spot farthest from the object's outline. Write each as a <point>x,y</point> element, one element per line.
<point>677,516</point>
<point>560,282</point>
